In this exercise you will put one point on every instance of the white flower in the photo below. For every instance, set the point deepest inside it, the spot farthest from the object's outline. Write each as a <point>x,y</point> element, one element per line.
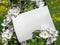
<point>3,29</point>
<point>4,20</point>
<point>4,40</point>
<point>14,11</point>
<point>53,39</point>
<point>10,35</point>
<point>3,24</point>
<point>7,31</point>
<point>15,14</point>
<point>8,19</point>
<point>4,35</point>
<point>12,28</point>
<point>39,3</point>
<point>44,35</point>
<point>56,34</point>
<point>7,34</point>
<point>50,34</point>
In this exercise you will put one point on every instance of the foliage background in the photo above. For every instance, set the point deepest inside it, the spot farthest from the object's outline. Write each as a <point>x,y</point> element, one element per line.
<point>54,7</point>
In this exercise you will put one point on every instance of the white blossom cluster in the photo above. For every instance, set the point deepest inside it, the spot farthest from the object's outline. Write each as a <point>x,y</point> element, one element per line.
<point>39,3</point>
<point>14,11</point>
<point>48,33</point>
<point>7,33</point>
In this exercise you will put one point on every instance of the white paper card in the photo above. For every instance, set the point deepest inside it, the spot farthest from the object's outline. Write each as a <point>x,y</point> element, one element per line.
<point>27,22</point>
